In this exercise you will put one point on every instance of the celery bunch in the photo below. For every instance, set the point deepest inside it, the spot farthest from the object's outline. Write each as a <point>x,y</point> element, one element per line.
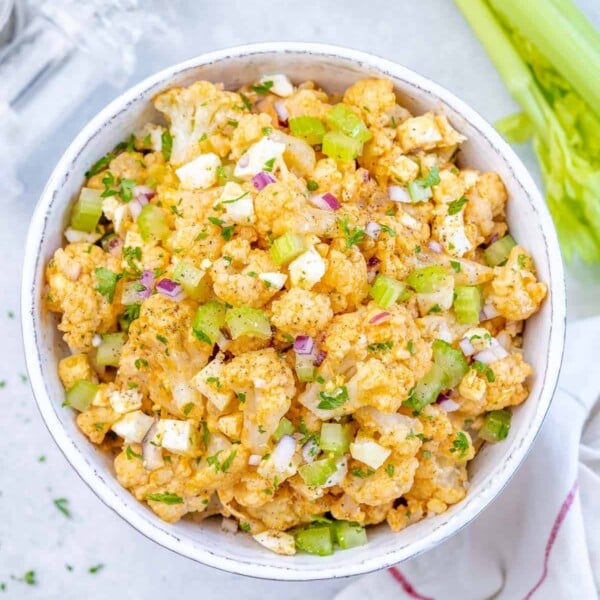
<point>548,55</point>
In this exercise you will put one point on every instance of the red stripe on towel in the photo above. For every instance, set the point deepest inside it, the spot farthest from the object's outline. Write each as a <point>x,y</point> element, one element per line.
<point>560,517</point>
<point>406,586</point>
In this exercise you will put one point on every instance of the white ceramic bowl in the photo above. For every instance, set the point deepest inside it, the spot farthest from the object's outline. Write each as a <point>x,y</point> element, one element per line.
<point>334,69</point>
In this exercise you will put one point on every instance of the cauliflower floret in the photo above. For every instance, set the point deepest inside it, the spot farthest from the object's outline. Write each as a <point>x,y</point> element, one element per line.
<point>301,312</point>
<point>449,189</point>
<point>508,387</point>
<point>515,292</point>
<point>269,386</point>
<point>282,207</point>
<point>385,484</point>
<point>403,170</point>
<point>128,165</point>
<point>250,129</point>
<point>347,275</point>
<point>73,368</point>
<point>194,112</point>
<point>236,281</point>
<point>450,137</point>
<point>472,390</point>
<point>452,233</point>
<point>85,311</point>
<point>374,99</point>
<point>312,103</point>
<point>200,172</point>
<point>162,355</point>
<point>96,422</point>
<point>149,137</point>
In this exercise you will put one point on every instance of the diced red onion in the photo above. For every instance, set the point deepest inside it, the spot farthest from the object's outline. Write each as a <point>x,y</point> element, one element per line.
<point>371,276</point>
<point>310,450</point>
<point>325,201</point>
<point>365,175</point>
<point>491,354</point>
<point>262,180</point>
<point>151,454</point>
<point>489,311</point>
<point>398,194</point>
<point>466,346</point>
<point>229,525</point>
<point>447,403</point>
<point>504,340</point>
<point>244,161</point>
<point>97,341</point>
<point>115,246</point>
<point>170,289</point>
<point>373,262</point>
<point>304,345</point>
<point>435,246</point>
<point>143,191</point>
<point>493,239</point>
<point>373,229</point>
<point>282,112</point>
<point>380,318</point>
<point>283,452</point>
<point>320,356</point>
<point>254,460</point>
<point>147,280</point>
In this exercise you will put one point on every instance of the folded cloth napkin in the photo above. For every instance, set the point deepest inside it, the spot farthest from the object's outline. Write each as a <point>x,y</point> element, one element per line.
<point>540,539</point>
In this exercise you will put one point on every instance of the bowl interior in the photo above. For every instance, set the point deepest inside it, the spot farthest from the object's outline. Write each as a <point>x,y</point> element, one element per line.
<point>334,70</point>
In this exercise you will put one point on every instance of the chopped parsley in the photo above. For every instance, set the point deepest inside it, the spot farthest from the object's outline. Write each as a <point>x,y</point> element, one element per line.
<point>187,408</point>
<point>166,144</point>
<point>436,308</point>
<point>312,185</point>
<point>334,399</point>
<point>241,396</point>
<point>267,130</point>
<point>126,189</point>
<point>426,454</point>
<point>201,236</point>
<point>245,527</point>
<point>455,265</point>
<point>176,211</point>
<point>62,505</point>
<point>387,230</point>
<point>362,474</point>
<point>522,261</point>
<point>246,102</point>
<point>162,339</point>
<point>262,88</point>
<point>410,346</point>
<point>485,370</point>
<point>352,235</point>
<point>42,458</point>
<point>100,165</point>
<point>456,206</point>
<point>226,230</point>
<point>235,199</point>
<point>233,123</point>
<point>29,578</point>
<point>268,166</point>
<point>433,177</point>
<point>130,453</point>
<point>389,469</point>
<point>214,461</point>
<point>107,282</point>
<point>140,362</point>
<point>131,253</point>
<point>214,381</point>
<point>460,444</point>
<point>93,570</point>
<point>381,346</point>
<point>166,498</point>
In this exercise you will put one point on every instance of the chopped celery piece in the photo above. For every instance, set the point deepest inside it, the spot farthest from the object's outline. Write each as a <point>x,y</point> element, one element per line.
<point>285,427</point>
<point>287,247</point>
<point>497,253</point>
<point>496,426</point>
<point>225,174</point>
<point>427,280</point>
<point>109,351</point>
<point>419,192</point>
<point>338,146</point>
<point>467,304</point>
<point>248,321</point>
<point>191,280</point>
<point>308,128</point>
<point>349,535</point>
<point>87,210</point>
<point>428,388</point>
<point>315,540</point>
<point>386,290</point>
<point>81,395</point>
<point>208,321</point>
<point>152,223</point>
<point>317,472</point>
<point>342,118</point>
<point>452,362</point>
<point>305,368</point>
<point>335,437</point>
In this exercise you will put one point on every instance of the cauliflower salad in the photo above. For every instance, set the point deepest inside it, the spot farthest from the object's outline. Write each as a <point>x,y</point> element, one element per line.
<point>293,310</point>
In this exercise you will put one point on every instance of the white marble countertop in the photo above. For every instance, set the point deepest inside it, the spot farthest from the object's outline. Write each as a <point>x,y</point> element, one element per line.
<point>428,36</point>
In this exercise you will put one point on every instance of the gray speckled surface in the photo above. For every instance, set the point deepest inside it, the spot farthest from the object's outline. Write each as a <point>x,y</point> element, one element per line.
<point>428,36</point>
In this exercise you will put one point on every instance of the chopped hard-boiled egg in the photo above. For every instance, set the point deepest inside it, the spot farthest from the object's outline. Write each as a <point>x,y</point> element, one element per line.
<point>199,173</point>
<point>274,280</point>
<point>307,269</point>
<point>74,235</point>
<point>207,382</point>
<point>261,156</point>
<point>281,85</point>
<point>368,451</point>
<point>277,541</point>
<point>452,235</point>
<point>238,204</point>
<point>125,401</point>
<point>133,426</point>
<point>176,436</point>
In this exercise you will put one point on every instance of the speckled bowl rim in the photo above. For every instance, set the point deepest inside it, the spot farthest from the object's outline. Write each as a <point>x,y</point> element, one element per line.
<point>133,511</point>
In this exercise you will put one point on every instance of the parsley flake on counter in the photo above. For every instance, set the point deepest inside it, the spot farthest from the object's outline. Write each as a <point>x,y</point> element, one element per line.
<point>62,505</point>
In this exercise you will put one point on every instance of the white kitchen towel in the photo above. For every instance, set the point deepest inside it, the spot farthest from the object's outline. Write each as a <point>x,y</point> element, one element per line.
<point>540,540</point>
